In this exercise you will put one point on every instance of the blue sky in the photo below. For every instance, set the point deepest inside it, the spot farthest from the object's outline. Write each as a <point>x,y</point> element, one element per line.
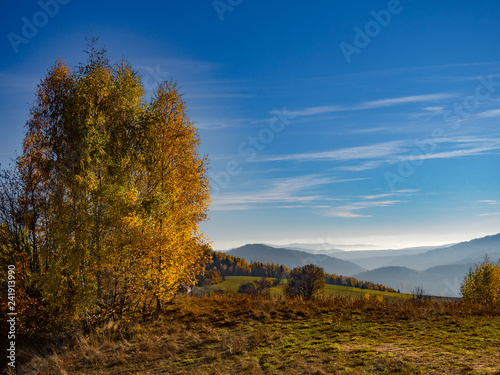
<point>367,123</point>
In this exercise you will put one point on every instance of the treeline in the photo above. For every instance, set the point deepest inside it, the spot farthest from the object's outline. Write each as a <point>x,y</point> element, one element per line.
<point>351,281</point>
<point>222,265</point>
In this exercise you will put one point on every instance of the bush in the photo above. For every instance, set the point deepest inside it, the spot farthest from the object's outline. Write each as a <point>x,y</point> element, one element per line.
<point>482,285</point>
<point>248,288</point>
<point>305,282</point>
<point>257,288</point>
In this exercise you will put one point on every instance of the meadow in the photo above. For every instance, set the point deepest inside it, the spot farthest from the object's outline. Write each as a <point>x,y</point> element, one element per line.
<point>232,283</point>
<point>231,333</point>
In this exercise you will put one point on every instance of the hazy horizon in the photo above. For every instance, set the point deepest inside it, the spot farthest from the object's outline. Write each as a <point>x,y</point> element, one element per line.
<point>379,243</point>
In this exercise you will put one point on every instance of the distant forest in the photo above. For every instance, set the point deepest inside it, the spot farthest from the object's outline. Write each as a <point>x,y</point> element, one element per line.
<point>222,265</point>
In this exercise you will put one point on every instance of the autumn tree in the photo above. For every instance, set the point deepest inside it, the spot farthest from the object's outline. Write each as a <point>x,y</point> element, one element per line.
<point>305,282</point>
<point>19,257</point>
<point>482,284</point>
<point>13,234</point>
<point>114,189</point>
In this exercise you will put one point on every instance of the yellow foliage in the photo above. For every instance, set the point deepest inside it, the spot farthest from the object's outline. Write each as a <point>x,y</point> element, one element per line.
<point>116,187</point>
<point>379,299</point>
<point>482,285</point>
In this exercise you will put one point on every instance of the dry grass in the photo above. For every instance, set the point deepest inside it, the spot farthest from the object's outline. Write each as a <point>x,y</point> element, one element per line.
<point>237,334</point>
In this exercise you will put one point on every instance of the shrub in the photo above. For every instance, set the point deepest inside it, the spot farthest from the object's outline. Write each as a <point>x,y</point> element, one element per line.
<point>305,282</point>
<point>482,285</point>
<point>257,288</point>
<point>248,288</point>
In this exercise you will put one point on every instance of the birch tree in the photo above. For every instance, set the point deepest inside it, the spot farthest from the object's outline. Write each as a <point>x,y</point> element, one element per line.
<point>115,189</point>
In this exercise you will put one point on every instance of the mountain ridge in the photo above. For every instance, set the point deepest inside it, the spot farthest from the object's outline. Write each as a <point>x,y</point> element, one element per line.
<point>438,270</point>
<point>295,258</point>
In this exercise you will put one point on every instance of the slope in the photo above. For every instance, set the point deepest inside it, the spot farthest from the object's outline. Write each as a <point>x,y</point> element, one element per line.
<point>440,280</point>
<point>295,258</point>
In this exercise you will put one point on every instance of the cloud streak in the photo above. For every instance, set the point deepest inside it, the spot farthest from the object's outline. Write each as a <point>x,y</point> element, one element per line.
<point>489,113</point>
<point>320,110</point>
<point>351,210</point>
<point>378,150</point>
<point>489,201</point>
<point>301,192</point>
<point>384,153</point>
<point>285,192</point>
<point>347,210</point>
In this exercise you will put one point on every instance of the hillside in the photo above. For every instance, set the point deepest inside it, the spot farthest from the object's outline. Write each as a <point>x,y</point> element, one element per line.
<point>294,258</point>
<point>438,270</point>
<point>234,282</point>
<point>462,253</point>
<point>371,259</point>
<point>355,254</point>
<point>440,280</point>
<point>465,252</point>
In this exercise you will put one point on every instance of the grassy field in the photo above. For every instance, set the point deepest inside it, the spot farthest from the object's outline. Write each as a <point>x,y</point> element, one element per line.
<point>234,282</point>
<point>236,334</point>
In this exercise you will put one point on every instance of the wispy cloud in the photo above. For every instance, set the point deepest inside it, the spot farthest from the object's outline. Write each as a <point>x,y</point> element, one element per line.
<point>462,146</point>
<point>319,110</point>
<point>489,214</point>
<point>216,124</point>
<point>347,210</point>
<point>369,130</point>
<point>18,84</point>
<point>195,79</point>
<point>378,150</point>
<point>311,111</point>
<point>363,166</point>
<point>377,196</point>
<point>489,201</point>
<point>351,209</point>
<point>293,190</point>
<point>407,99</point>
<point>397,192</point>
<point>456,153</point>
<point>384,153</point>
<point>490,113</point>
<point>434,108</point>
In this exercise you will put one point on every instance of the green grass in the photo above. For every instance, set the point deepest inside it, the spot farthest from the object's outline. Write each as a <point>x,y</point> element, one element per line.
<point>347,291</point>
<point>232,283</point>
<point>237,334</point>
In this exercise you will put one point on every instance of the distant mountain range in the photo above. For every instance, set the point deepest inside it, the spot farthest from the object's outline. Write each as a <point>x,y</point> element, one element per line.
<point>438,281</point>
<point>438,270</point>
<point>461,253</point>
<point>294,258</point>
